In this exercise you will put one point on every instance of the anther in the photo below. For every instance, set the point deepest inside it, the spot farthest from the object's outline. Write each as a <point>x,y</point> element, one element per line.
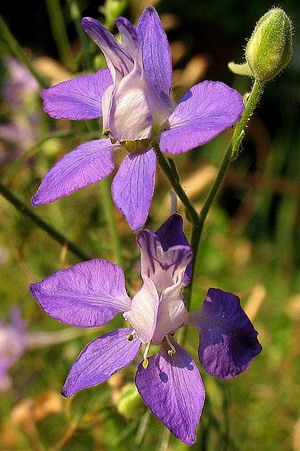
<point>171,351</point>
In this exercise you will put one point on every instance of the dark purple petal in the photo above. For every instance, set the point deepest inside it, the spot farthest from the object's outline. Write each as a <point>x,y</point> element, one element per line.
<point>133,187</point>
<point>88,163</point>
<point>100,359</point>
<point>118,57</point>
<point>88,294</point>
<point>206,110</point>
<point>228,340</point>
<point>171,234</point>
<point>172,388</point>
<point>165,268</point>
<point>78,98</point>
<point>156,53</point>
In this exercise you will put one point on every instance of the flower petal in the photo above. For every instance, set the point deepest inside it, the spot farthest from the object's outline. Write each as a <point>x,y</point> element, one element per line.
<point>171,314</point>
<point>156,53</point>
<point>133,187</point>
<point>171,234</point>
<point>206,110</point>
<point>165,268</point>
<point>88,163</point>
<point>100,359</point>
<point>143,311</point>
<point>172,388</point>
<point>228,338</point>
<point>130,117</point>
<point>87,294</point>
<point>119,61</point>
<point>78,98</point>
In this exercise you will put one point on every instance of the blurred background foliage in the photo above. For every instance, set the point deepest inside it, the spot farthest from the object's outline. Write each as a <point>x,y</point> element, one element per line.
<point>251,245</point>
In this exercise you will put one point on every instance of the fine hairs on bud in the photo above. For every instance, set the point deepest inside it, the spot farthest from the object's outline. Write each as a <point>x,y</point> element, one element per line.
<point>269,50</point>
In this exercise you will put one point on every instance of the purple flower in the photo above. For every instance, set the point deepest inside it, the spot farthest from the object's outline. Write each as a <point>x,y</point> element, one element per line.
<point>133,97</point>
<point>20,91</point>
<point>92,293</point>
<point>13,342</point>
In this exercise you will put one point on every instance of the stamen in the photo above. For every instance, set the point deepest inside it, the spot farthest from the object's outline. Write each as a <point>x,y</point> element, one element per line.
<point>145,362</point>
<point>105,132</point>
<point>171,351</point>
<point>131,336</point>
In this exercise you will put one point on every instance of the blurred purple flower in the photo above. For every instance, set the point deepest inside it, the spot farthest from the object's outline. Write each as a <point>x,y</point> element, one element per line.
<point>133,97</point>
<point>19,91</point>
<point>92,293</point>
<point>19,84</point>
<point>13,342</point>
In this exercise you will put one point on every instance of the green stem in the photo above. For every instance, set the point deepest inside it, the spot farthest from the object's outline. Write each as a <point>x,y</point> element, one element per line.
<point>230,155</point>
<point>108,208</point>
<point>15,48</point>
<point>60,34</point>
<point>76,17</point>
<point>20,206</point>
<point>175,182</point>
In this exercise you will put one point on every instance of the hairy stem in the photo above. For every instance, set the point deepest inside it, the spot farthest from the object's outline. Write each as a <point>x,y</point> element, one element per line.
<point>26,211</point>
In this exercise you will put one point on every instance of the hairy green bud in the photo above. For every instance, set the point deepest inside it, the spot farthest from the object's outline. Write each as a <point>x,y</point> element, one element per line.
<point>269,49</point>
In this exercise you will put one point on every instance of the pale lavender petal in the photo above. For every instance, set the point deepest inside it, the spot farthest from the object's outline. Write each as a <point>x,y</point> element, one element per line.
<point>172,388</point>
<point>133,187</point>
<point>165,268</point>
<point>119,61</point>
<point>206,110</point>
<point>156,53</point>
<point>87,294</point>
<point>78,98</point>
<point>130,117</point>
<point>100,359</point>
<point>171,314</point>
<point>88,163</point>
<point>143,311</point>
<point>228,340</point>
<point>171,234</point>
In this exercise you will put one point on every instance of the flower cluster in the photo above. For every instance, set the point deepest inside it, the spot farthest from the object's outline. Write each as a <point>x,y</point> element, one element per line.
<point>91,293</point>
<point>133,96</point>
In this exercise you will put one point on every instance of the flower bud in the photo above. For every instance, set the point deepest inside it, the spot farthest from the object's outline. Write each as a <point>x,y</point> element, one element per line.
<point>269,49</point>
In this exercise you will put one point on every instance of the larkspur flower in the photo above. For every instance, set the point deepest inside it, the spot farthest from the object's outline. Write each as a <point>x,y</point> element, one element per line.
<point>13,342</point>
<point>133,97</point>
<point>92,293</point>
